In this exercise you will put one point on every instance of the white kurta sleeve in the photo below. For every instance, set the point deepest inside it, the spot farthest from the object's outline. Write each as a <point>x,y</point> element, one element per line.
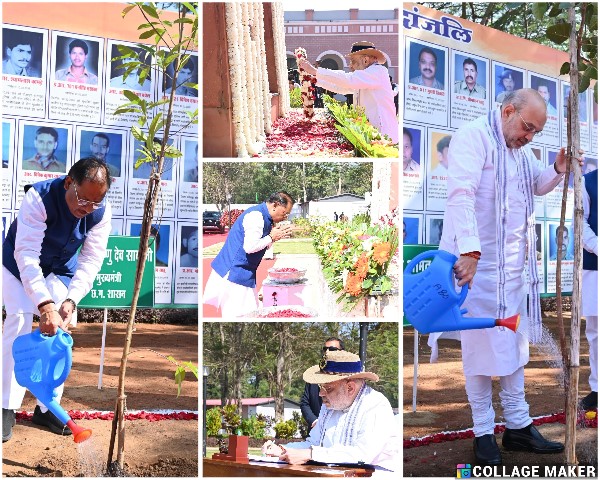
<point>466,160</point>
<point>375,438</point>
<point>590,239</point>
<point>372,438</point>
<point>332,87</point>
<point>253,225</point>
<point>91,257</point>
<point>545,178</point>
<point>31,228</point>
<point>348,82</point>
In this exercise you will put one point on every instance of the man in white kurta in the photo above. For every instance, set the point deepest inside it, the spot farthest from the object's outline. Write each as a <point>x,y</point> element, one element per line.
<point>356,424</point>
<point>490,166</point>
<point>45,273</point>
<point>369,82</point>
<point>589,300</point>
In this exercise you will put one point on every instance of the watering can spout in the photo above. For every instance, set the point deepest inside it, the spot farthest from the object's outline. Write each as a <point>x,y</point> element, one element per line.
<point>431,303</point>
<point>43,363</point>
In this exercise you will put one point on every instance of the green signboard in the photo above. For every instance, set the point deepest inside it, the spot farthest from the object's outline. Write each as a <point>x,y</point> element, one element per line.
<point>113,286</point>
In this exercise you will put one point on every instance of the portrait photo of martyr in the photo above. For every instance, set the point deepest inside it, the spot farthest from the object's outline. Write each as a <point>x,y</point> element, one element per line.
<point>427,66</point>
<point>162,235</point>
<point>411,149</point>
<point>187,74</point>
<point>410,230</point>
<point>45,148</point>
<point>76,60</point>
<point>117,69</point>
<point>145,169</point>
<point>22,52</point>
<point>507,80</point>
<point>105,146</point>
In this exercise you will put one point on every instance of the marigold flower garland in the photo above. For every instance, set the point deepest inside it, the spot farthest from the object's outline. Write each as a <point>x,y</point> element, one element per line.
<point>306,86</point>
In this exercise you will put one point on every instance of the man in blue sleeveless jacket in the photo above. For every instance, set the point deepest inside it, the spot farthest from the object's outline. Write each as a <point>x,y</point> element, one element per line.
<point>589,298</point>
<point>43,272</point>
<point>231,285</point>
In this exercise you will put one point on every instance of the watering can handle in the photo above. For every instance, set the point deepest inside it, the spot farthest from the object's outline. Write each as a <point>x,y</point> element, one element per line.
<point>433,253</point>
<point>67,342</point>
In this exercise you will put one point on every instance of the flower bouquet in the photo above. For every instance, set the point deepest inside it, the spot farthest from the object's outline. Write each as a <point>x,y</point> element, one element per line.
<point>355,258</point>
<point>307,88</point>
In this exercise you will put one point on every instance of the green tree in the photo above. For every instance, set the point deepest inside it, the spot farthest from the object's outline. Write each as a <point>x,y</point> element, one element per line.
<point>297,346</point>
<point>541,22</point>
<point>382,357</point>
<point>223,180</point>
<point>248,182</point>
<point>558,32</point>
<point>515,18</point>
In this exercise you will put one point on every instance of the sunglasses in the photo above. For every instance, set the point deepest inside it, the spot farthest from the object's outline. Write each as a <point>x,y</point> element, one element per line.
<point>328,389</point>
<point>331,349</point>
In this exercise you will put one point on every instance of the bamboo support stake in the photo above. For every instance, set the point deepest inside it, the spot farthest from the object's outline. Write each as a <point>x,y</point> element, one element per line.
<point>573,137</point>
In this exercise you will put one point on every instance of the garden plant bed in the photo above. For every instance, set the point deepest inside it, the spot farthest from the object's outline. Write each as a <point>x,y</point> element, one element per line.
<point>162,448</point>
<point>442,406</point>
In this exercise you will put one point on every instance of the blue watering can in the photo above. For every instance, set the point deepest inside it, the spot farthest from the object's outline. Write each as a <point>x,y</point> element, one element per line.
<point>43,363</point>
<point>431,303</point>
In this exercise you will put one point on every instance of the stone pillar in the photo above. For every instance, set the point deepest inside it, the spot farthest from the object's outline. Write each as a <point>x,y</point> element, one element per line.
<point>271,60</point>
<point>217,131</point>
<point>269,47</point>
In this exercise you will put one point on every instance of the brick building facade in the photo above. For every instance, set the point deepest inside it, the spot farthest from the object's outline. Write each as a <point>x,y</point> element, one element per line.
<point>328,36</point>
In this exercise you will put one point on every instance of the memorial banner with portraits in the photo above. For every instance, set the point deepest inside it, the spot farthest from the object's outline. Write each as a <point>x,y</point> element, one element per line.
<point>63,80</point>
<point>455,72</point>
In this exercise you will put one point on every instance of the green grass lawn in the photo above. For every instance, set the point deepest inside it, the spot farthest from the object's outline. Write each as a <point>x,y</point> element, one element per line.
<point>298,246</point>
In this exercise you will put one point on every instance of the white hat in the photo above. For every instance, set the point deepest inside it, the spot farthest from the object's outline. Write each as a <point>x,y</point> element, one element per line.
<point>337,365</point>
<point>367,48</point>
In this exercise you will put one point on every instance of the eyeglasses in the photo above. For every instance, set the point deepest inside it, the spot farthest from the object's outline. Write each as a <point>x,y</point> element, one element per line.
<point>529,128</point>
<point>86,203</point>
<point>329,389</point>
<point>331,349</point>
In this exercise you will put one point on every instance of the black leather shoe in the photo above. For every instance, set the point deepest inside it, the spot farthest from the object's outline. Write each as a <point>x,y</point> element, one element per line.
<point>9,419</point>
<point>590,401</point>
<point>530,440</point>
<point>486,450</point>
<point>50,421</point>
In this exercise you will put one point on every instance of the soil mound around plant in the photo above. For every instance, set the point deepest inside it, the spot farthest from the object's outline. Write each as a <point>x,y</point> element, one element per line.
<point>164,448</point>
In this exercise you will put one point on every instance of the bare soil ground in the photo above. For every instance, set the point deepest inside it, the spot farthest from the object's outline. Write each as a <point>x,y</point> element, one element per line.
<point>166,448</point>
<point>442,406</point>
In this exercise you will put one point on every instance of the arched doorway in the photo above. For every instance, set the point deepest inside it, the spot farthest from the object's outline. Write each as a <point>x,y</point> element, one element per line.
<point>332,60</point>
<point>330,63</point>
